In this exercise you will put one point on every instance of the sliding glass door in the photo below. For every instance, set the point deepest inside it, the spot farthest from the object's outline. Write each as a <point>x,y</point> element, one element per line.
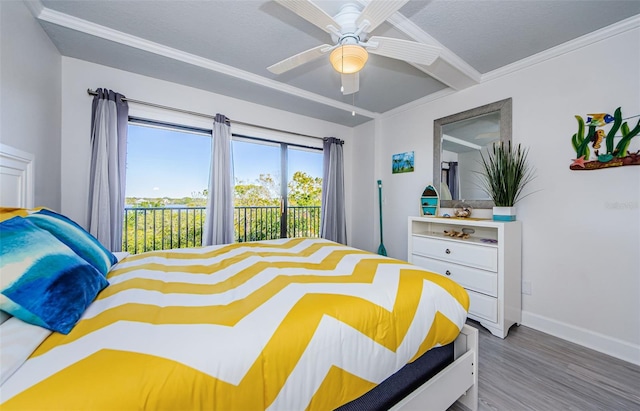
<point>304,191</point>
<point>257,198</point>
<point>277,189</point>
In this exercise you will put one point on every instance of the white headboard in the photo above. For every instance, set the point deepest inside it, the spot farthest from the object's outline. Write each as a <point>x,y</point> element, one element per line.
<point>16,183</point>
<point>16,177</point>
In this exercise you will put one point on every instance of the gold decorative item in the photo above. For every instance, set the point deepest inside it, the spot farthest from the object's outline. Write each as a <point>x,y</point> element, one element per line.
<point>462,210</point>
<point>456,234</point>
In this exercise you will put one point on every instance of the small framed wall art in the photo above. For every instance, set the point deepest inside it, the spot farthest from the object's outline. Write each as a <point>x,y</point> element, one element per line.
<point>402,163</point>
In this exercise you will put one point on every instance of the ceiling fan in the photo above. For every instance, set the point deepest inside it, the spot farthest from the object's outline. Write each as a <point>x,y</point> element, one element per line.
<point>349,31</point>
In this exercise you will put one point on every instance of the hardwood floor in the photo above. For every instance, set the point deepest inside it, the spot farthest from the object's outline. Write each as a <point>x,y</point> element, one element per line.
<point>531,370</point>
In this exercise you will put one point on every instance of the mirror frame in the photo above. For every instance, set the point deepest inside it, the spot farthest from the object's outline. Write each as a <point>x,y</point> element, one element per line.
<point>504,107</point>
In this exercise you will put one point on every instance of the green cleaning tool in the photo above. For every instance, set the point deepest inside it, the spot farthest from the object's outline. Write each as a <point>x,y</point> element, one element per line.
<point>381,249</point>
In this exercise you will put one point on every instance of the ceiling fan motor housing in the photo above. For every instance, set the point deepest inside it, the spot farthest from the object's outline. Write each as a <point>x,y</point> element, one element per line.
<point>346,18</point>
<point>349,57</point>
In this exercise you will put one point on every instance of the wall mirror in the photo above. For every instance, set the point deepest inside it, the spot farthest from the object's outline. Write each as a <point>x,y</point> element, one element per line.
<point>458,140</point>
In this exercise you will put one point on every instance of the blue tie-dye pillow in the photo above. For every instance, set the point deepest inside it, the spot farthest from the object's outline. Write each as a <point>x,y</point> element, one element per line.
<point>76,238</point>
<point>42,281</point>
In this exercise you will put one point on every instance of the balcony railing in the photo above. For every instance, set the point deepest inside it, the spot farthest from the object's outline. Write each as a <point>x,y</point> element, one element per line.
<point>161,228</point>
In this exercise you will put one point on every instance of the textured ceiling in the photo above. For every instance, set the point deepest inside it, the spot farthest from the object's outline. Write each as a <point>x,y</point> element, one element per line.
<point>252,35</point>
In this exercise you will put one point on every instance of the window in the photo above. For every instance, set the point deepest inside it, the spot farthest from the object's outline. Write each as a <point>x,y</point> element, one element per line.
<point>166,186</point>
<point>277,187</point>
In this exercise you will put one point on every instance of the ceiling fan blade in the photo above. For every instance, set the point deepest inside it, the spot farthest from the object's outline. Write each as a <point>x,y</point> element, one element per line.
<point>350,83</point>
<point>310,12</point>
<point>410,51</point>
<point>377,12</point>
<point>299,59</point>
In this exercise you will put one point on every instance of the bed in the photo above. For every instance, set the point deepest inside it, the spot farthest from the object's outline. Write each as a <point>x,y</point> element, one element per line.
<point>281,325</point>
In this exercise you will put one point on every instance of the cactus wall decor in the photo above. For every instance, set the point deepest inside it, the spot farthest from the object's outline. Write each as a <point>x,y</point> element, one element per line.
<point>606,152</point>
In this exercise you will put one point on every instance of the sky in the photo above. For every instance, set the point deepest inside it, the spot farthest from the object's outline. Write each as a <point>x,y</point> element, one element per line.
<point>175,164</point>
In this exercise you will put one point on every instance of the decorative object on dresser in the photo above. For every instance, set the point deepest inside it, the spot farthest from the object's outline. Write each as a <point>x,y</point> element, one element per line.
<point>487,263</point>
<point>457,234</point>
<point>429,201</point>
<point>462,210</point>
<point>505,173</point>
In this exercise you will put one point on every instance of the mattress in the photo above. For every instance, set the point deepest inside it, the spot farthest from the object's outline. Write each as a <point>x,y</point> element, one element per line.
<point>278,325</point>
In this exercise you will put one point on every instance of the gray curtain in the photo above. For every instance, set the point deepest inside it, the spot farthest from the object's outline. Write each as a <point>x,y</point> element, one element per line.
<point>218,224</point>
<point>109,121</point>
<point>333,225</point>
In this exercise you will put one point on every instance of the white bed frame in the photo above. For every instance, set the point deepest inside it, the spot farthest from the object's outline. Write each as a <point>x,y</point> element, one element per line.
<point>457,382</point>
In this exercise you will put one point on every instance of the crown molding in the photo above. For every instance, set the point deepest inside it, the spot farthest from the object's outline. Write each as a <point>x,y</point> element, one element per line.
<point>84,26</point>
<point>564,48</point>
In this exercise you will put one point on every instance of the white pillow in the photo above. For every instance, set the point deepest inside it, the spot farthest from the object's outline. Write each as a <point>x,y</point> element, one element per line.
<point>17,341</point>
<point>4,316</point>
<point>120,255</point>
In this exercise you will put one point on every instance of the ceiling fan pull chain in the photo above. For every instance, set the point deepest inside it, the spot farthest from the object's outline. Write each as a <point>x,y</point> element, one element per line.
<point>353,102</point>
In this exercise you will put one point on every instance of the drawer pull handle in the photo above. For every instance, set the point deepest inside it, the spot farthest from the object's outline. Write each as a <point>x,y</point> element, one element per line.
<point>447,272</point>
<point>447,251</point>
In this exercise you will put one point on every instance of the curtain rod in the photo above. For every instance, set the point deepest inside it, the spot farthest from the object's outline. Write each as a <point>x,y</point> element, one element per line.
<point>209,116</point>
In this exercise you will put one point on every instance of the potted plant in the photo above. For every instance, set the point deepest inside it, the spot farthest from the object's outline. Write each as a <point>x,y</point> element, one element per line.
<point>505,173</point>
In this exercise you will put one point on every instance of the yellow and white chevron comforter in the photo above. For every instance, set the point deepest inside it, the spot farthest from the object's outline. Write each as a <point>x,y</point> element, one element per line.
<point>281,325</point>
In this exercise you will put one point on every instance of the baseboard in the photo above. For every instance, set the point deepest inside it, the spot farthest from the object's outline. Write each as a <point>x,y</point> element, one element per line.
<point>587,338</point>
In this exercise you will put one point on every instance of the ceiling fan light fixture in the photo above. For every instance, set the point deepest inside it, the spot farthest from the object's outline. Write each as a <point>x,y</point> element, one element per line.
<point>348,58</point>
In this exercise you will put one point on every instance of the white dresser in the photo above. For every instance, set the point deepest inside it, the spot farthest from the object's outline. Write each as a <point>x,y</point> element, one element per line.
<point>487,264</point>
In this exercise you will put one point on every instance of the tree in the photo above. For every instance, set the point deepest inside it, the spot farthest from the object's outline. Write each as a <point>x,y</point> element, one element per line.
<point>304,200</point>
<point>262,192</point>
<point>178,222</point>
<point>304,190</point>
<point>162,228</point>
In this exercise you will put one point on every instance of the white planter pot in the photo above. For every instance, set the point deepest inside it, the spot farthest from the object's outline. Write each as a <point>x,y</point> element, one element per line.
<point>504,214</point>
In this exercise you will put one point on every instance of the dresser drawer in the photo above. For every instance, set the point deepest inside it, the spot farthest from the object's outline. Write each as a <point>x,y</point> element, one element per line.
<point>482,281</point>
<point>473,255</point>
<point>482,307</point>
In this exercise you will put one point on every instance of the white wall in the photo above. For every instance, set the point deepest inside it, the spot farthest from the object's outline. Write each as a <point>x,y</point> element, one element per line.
<point>78,76</point>
<point>364,194</point>
<point>582,229</point>
<point>30,85</point>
